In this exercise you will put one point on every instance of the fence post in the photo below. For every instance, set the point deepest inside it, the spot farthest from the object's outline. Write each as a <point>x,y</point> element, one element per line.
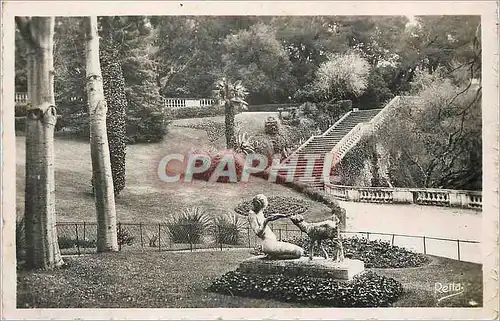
<point>77,240</point>
<point>220,237</point>
<point>190,242</point>
<point>248,234</point>
<point>142,239</point>
<point>286,231</point>
<point>159,237</point>
<point>392,241</point>
<point>458,250</point>
<point>367,236</point>
<point>425,249</point>
<point>84,237</point>
<point>280,233</point>
<point>119,233</point>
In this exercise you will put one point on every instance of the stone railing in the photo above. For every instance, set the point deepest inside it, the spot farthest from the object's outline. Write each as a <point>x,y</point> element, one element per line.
<point>421,196</point>
<point>377,121</point>
<point>341,119</point>
<point>349,141</point>
<point>21,98</point>
<point>304,144</point>
<point>188,102</point>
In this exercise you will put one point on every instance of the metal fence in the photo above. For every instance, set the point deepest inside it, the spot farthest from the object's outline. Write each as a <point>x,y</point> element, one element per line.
<point>80,237</point>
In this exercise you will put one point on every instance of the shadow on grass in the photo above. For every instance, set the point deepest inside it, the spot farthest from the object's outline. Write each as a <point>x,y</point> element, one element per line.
<point>175,280</point>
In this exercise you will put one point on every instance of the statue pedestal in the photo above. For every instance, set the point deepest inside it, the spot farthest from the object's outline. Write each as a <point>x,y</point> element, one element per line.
<point>317,268</point>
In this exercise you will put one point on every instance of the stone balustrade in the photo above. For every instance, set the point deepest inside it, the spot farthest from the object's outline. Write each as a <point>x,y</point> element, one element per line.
<point>188,102</point>
<point>21,98</point>
<point>421,196</point>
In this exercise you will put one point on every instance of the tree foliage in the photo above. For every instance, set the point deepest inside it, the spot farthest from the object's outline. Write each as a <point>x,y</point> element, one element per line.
<point>342,76</point>
<point>258,58</point>
<point>436,141</point>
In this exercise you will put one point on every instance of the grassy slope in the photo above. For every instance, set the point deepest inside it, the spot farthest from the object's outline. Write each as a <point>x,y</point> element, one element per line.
<point>145,198</point>
<point>164,280</point>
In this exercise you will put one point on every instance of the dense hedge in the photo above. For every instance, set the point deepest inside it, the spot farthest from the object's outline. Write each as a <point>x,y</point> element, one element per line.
<point>366,290</point>
<point>195,112</point>
<point>270,107</point>
<point>375,253</point>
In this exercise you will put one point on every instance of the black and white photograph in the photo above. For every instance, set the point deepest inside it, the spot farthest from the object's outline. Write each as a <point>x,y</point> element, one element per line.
<point>313,163</point>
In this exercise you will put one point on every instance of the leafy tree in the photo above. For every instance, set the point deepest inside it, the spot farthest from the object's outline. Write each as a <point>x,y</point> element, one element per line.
<point>436,141</point>
<point>342,76</point>
<point>232,94</point>
<point>307,41</point>
<point>145,117</point>
<point>259,59</point>
<point>188,52</point>
<point>21,51</point>
<point>437,42</point>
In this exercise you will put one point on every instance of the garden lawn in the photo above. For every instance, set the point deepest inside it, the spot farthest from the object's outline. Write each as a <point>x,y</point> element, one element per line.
<point>251,122</point>
<point>174,280</point>
<point>145,198</point>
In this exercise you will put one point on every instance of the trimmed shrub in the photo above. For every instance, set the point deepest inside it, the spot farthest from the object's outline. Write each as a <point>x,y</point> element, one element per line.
<point>239,161</point>
<point>20,125</point>
<point>190,226</point>
<point>366,290</point>
<point>114,91</point>
<point>66,242</point>
<point>277,204</point>
<point>197,112</point>
<point>227,229</point>
<point>124,236</point>
<point>375,253</point>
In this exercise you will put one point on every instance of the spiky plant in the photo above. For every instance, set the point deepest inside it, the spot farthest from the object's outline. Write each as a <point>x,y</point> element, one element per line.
<point>189,226</point>
<point>230,94</point>
<point>227,229</point>
<point>243,144</point>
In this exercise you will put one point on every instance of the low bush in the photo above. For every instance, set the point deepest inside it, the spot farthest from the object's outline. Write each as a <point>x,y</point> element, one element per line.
<point>189,226</point>
<point>375,253</point>
<point>124,236</point>
<point>148,128</point>
<point>66,242</point>
<point>228,229</point>
<point>215,158</point>
<point>196,112</point>
<point>277,205</point>
<point>366,290</point>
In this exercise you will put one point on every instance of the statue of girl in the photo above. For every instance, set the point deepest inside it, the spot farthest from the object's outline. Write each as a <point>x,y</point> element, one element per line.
<point>273,248</point>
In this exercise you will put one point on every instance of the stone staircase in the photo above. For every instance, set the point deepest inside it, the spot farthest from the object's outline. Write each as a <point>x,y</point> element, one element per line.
<point>334,143</point>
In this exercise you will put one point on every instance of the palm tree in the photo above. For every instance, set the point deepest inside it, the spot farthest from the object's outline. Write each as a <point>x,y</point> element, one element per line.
<point>232,94</point>
<point>99,149</point>
<point>42,249</point>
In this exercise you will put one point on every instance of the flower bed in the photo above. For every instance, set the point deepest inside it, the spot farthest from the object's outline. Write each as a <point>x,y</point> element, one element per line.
<point>375,254</point>
<point>277,205</point>
<point>366,290</point>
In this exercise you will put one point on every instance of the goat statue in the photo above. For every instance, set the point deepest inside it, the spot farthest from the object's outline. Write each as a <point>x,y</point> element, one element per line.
<point>317,232</point>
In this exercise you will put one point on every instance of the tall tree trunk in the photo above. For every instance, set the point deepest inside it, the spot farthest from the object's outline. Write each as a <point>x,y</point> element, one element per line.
<point>99,149</point>
<point>229,123</point>
<point>114,91</point>
<point>42,249</point>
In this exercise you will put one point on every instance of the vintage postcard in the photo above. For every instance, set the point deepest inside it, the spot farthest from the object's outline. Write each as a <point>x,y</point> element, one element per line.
<point>250,160</point>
